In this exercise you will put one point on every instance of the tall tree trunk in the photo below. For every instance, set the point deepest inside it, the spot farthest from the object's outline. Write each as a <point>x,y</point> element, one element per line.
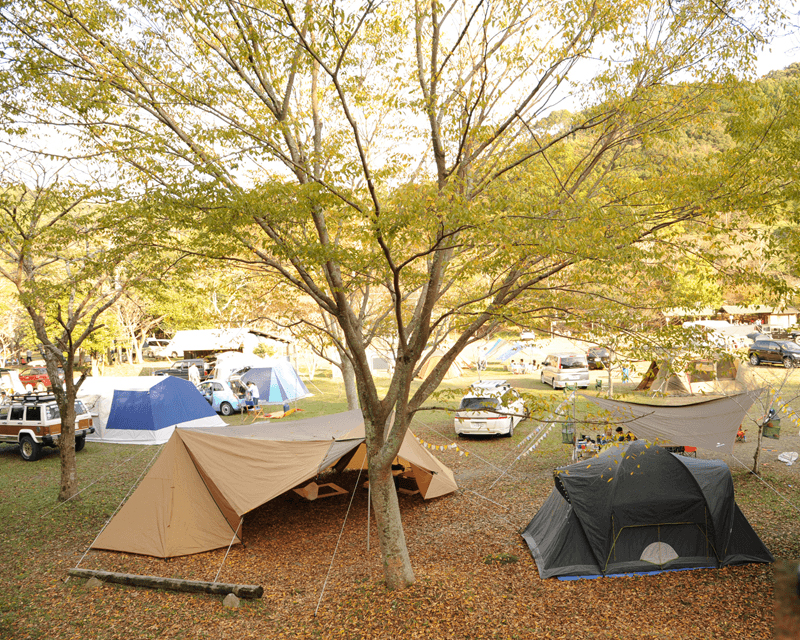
<point>66,448</point>
<point>391,537</point>
<point>349,377</point>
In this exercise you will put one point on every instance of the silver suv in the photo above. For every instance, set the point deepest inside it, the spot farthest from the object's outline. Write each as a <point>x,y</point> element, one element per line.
<point>33,421</point>
<point>562,369</point>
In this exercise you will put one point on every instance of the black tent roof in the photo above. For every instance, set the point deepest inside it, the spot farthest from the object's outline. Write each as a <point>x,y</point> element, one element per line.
<point>638,507</point>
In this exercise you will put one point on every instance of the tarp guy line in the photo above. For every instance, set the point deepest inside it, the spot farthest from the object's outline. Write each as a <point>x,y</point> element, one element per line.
<point>789,502</point>
<point>119,506</point>
<point>227,551</point>
<point>338,540</point>
<point>95,482</point>
<point>542,436</point>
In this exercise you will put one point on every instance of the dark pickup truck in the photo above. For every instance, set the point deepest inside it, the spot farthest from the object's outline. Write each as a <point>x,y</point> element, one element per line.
<point>180,369</point>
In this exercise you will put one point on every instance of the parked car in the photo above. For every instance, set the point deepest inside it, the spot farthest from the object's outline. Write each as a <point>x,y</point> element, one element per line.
<point>155,348</point>
<point>562,369</point>
<point>37,377</point>
<point>774,331</point>
<point>783,352</point>
<point>598,358</point>
<point>180,369</point>
<point>33,421</point>
<point>489,407</point>
<point>221,396</point>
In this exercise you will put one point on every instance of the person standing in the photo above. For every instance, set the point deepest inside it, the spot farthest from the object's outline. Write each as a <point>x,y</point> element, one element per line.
<point>194,375</point>
<point>252,387</point>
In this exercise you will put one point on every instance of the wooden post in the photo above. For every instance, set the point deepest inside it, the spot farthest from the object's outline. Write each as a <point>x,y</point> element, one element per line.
<point>249,591</point>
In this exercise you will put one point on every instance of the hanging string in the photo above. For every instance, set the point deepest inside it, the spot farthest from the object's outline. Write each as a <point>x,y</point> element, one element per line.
<point>550,417</point>
<point>439,433</point>
<point>789,502</point>
<point>543,434</point>
<point>88,486</point>
<point>235,533</point>
<point>119,506</point>
<point>335,549</point>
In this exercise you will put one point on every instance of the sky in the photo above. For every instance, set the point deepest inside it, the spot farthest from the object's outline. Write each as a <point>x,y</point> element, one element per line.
<point>783,51</point>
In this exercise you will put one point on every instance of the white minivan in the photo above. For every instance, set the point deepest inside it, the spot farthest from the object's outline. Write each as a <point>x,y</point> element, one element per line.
<point>562,369</point>
<point>491,407</point>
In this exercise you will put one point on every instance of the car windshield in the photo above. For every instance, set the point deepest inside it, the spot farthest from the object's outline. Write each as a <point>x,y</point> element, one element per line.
<point>478,404</point>
<point>598,353</point>
<point>576,362</point>
<point>79,408</point>
<point>791,346</point>
<point>52,412</point>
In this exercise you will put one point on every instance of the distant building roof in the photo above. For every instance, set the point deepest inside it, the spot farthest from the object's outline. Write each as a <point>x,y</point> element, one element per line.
<point>702,311</point>
<point>736,310</point>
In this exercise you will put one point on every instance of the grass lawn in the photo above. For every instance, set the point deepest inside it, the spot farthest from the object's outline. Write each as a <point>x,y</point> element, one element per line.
<point>475,577</point>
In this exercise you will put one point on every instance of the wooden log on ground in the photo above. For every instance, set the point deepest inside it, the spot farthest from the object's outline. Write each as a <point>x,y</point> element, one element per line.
<point>250,591</point>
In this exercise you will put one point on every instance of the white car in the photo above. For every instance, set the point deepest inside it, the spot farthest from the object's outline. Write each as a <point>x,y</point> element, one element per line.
<point>562,369</point>
<point>489,407</point>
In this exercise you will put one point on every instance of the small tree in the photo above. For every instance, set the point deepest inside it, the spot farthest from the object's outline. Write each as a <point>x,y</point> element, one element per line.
<point>57,249</point>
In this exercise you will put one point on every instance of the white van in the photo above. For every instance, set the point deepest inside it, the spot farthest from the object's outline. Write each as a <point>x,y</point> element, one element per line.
<point>562,369</point>
<point>489,407</point>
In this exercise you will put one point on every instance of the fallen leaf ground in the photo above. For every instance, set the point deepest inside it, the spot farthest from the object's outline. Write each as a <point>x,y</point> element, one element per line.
<point>475,576</point>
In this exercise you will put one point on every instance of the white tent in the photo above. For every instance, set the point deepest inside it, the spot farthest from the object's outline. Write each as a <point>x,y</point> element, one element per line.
<point>144,409</point>
<point>10,382</point>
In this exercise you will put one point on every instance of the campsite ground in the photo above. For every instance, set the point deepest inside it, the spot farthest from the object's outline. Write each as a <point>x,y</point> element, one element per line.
<point>475,577</point>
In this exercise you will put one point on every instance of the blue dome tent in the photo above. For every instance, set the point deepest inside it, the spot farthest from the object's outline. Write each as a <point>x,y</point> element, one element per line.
<point>277,383</point>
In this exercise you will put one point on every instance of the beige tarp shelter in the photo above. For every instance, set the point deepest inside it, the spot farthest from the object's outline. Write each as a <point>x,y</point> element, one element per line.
<point>710,424</point>
<point>194,497</point>
<point>722,376</point>
<point>433,358</point>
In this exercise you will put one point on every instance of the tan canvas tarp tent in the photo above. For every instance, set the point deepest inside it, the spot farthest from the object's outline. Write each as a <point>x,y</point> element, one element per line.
<point>722,376</point>
<point>194,497</point>
<point>710,424</point>
<point>455,370</point>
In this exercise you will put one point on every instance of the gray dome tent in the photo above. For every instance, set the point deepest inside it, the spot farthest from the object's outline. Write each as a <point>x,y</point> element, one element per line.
<point>639,508</point>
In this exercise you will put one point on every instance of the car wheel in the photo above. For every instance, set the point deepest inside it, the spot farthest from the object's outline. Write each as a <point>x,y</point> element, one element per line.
<point>80,443</point>
<point>510,428</point>
<point>40,386</point>
<point>174,354</point>
<point>754,359</point>
<point>541,376</point>
<point>788,362</point>
<point>29,449</point>
<point>226,409</point>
